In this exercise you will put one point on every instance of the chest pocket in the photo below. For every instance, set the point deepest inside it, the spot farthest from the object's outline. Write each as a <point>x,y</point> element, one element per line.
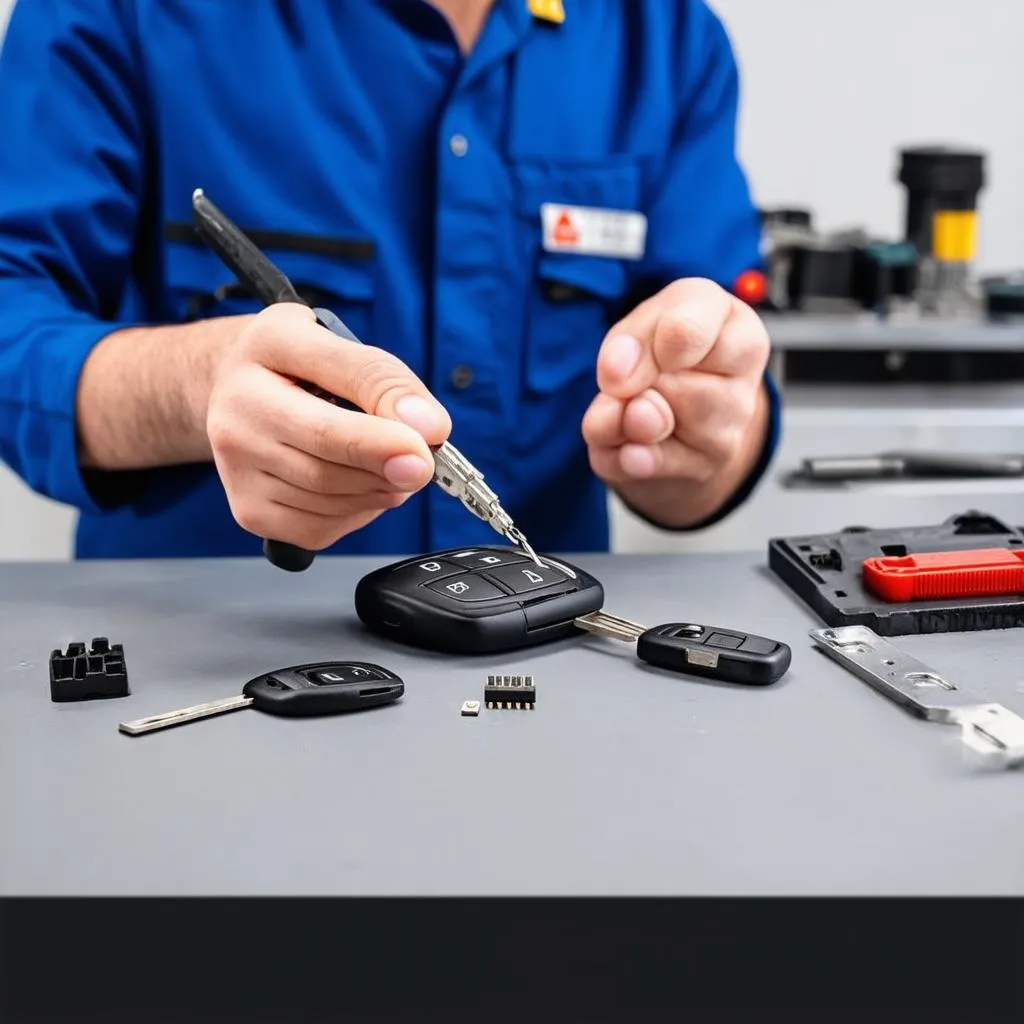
<point>198,286</point>
<point>572,298</point>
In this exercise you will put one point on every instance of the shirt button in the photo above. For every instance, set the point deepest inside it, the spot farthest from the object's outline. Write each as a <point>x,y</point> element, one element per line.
<point>459,145</point>
<point>462,377</point>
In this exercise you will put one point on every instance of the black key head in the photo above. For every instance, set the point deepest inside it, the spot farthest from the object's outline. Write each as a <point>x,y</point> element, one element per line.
<point>476,600</point>
<point>723,654</point>
<point>324,688</point>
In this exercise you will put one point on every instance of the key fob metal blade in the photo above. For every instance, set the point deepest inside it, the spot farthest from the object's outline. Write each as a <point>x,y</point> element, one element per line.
<point>711,652</point>
<point>324,688</point>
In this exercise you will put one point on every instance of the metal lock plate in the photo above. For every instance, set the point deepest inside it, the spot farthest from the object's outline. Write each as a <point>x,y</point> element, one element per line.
<point>990,731</point>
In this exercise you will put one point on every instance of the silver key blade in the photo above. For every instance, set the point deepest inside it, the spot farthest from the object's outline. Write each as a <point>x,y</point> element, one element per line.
<point>605,624</point>
<point>169,718</point>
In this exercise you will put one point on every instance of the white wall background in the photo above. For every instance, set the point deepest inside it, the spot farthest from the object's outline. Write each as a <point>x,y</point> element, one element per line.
<point>831,90</point>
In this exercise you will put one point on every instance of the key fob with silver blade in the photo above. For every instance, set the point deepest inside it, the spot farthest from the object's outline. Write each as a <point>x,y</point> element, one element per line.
<point>715,653</point>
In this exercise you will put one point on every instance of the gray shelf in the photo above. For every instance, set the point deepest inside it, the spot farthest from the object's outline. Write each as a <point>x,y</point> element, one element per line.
<point>794,332</point>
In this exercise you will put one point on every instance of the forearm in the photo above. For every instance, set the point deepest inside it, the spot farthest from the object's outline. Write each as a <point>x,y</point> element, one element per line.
<point>143,394</point>
<point>677,505</point>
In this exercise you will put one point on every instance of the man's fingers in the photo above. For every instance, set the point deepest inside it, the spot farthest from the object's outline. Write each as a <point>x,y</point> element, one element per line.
<point>610,422</point>
<point>308,473</point>
<point>314,426</point>
<point>695,313</point>
<point>286,338</point>
<point>672,330</point>
<point>625,363</point>
<point>332,506</point>
<point>691,324</point>
<point>743,345</point>
<point>631,462</point>
<point>708,404</point>
<point>304,529</point>
<point>602,422</point>
<point>648,418</point>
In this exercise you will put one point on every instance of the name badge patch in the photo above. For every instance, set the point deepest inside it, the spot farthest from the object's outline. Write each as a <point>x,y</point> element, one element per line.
<point>591,231</point>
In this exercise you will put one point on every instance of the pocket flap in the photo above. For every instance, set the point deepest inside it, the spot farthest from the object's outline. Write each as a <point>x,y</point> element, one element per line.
<point>194,268</point>
<point>597,275</point>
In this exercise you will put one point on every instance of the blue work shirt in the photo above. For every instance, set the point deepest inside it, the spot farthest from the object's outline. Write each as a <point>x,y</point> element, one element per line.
<point>396,182</point>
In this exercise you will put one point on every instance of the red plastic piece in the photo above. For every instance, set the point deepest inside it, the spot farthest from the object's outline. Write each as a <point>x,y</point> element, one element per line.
<point>988,572</point>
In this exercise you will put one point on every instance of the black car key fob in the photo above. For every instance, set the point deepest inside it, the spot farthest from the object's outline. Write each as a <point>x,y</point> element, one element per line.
<point>714,653</point>
<point>476,600</point>
<point>302,691</point>
<point>323,688</point>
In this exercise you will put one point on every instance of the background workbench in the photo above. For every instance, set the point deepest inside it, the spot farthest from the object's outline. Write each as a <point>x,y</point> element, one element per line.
<point>624,780</point>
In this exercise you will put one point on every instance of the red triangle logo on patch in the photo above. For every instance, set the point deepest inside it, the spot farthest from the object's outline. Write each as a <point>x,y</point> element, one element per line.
<point>565,233</point>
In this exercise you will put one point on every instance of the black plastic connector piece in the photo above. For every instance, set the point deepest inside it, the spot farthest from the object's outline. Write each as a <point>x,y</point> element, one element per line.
<point>80,674</point>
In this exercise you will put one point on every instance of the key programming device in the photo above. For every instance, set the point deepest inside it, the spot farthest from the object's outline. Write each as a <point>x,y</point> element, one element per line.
<point>476,600</point>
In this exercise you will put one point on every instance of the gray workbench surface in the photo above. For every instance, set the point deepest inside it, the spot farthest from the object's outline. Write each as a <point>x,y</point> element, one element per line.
<point>622,781</point>
<point>794,331</point>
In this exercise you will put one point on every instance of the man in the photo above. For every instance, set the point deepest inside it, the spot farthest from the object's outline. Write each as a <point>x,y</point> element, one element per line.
<point>501,197</point>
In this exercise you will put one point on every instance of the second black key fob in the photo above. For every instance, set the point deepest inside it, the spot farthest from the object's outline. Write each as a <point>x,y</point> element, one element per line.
<point>714,653</point>
<point>476,600</point>
<point>323,688</point>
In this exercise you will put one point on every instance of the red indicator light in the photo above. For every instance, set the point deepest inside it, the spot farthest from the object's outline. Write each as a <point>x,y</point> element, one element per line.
<point>751,287</point>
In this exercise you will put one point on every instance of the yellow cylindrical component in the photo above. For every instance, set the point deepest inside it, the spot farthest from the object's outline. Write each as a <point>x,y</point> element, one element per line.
<point>955,236</point>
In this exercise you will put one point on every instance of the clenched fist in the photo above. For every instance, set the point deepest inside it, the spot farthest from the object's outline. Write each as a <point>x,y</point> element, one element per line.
<point>681,417</point>
<point>297,468</point>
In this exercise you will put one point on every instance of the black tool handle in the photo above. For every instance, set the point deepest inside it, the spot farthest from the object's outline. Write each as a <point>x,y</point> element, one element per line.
<point>291,557</point>
<point>714,653</point>
<point>270,285</point>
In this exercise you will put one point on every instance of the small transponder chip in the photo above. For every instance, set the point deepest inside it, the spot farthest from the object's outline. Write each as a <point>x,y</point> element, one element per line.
<point>510,692</point>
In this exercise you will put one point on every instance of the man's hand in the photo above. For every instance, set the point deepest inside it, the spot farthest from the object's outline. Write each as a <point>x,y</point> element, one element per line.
<point>298,469</point>
<point>682,413</point>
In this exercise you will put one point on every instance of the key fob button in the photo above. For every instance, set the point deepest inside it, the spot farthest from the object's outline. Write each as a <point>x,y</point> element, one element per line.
<point>466,588</point>
<point>426,571</point>
<point>526,577</point>
<point>759,645</point>
<point>728,641</point>
<point>433,566</point>
<point>477,559</point>
<point>691,632</point>
<point>334,674</point>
